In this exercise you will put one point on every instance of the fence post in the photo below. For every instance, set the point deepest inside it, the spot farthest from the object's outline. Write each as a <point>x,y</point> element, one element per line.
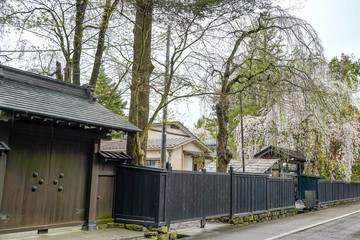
<point>203,219</point>
<point>231,192</point>
<point>268,193</point>
<point>283,192</point>
<point>167,191</point>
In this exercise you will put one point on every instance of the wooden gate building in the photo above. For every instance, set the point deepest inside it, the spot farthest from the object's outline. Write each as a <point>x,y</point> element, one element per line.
<point>50,171</point>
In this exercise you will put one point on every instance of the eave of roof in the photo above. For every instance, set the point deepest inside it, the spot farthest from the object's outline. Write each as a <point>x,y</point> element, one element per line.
<point>297,156</point>
<point>114,156</point>
<point>33,94</point>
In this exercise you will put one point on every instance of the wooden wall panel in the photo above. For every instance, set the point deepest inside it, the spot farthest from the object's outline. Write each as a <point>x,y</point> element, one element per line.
<point>4,137</point>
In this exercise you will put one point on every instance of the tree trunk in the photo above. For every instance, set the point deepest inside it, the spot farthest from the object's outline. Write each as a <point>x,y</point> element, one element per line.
<point>109,9</point>
<point>223,154</point>
<point>67,71</point>
<point>79,29</point>
<point>141,71</point>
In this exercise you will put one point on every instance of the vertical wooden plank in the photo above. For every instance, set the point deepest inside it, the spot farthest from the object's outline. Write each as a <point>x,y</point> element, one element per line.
<point>203,213</point>
<point>168,196</point>
<point>90,213</point>
<point>232,186</point>
<point>268,193</point>
<point>4,137</point>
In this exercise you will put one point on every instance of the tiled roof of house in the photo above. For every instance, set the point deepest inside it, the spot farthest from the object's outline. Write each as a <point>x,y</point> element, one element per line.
<point>258,165</point>
<point>120,144</point>
<point>114,156</point>
<point>33,94</point>
<point>281,152</point>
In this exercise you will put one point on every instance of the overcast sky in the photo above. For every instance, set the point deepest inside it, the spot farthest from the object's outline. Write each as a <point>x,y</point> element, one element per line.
<point>337,23</point>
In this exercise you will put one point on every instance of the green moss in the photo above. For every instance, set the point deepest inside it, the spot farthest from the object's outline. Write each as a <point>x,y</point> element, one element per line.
<point>173,235</point>
<point>134,227</point>
<point>119,225</point>
<point>162,229</point>
<point>151,235</point>
<point>102,226</point>
<point>163,236</point>
<point>104,221</point>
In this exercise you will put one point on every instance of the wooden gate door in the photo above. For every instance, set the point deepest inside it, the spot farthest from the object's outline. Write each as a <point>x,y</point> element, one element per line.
<point>25,188</point>
<point>68,180</point>
<point>105,198</point>
<point>45,181</point>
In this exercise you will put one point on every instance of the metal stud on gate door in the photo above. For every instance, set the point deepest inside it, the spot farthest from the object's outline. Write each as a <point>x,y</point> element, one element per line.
<point>35,174</point>
<point>33,188</point>
<point>55,181</point>
<point>60,188</point>
<point>61,175</point>
<point>41,181</point>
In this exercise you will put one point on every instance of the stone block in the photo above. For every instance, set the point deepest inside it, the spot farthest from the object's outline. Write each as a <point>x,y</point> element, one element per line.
<point>119,225</point>
<point>134,227</point>
<point>102,226</point>
<point>151,235</point>
<point>163,236</point>
<point>111,225</point>
<point>172,235</point>
<point>162,229</point>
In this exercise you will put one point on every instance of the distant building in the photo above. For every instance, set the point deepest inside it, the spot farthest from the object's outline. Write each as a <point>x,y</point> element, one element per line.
<point>272,160</point>
<point>185,151</point>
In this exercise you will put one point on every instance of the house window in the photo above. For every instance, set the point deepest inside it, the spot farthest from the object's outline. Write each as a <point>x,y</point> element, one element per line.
<point>152,163</point>
<point>174,126</point>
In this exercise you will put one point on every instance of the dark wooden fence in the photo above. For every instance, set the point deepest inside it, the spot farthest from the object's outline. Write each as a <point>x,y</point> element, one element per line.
<point>157,197</point>
<point>326,190</point>
<point>333,191</point>
<point>306,183</point>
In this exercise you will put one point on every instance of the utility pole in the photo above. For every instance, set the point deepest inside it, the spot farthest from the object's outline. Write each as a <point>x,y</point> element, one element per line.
<point>163,158</point>
<point>242,134</point>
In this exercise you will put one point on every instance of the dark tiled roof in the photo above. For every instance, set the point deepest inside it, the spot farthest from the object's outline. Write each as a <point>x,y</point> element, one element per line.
<point>34,94</point>
<point>120,144</point>
<point>258,165</point>
<point>283,152</point>
<point>114,156</point>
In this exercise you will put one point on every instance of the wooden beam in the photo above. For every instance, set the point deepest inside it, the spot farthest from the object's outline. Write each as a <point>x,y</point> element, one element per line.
<point>90,213</point>
<point>4,136</point>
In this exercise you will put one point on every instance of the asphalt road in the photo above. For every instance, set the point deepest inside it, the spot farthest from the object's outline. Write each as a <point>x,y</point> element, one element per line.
<point>333,223</point>
<point>344,228</point>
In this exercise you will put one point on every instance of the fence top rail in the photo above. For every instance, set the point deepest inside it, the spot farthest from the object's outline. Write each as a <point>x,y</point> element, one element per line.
<point>218,173</point>
<point>310,176</point>
<point>336,181</point>
<point>187,172</point>
<point>274,179</point>
<point>264,175</point>
<point>143,168</point>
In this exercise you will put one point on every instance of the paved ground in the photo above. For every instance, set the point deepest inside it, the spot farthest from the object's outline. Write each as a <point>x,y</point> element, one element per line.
<point>75,233</point>
<point>276,228</point>
<point>285,228</point>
